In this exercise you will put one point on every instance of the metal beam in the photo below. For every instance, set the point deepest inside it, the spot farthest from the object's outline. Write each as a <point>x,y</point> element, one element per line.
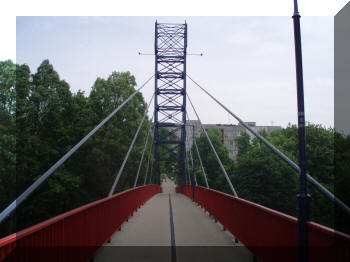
<point>148,161</point>
<point>170,85</point>
<point>170,142</point>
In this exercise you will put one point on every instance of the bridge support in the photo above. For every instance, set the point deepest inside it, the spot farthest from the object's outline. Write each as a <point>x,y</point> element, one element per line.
<point>170,97</point>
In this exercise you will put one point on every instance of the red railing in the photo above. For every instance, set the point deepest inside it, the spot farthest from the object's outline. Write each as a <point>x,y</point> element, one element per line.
<point>268,234</point>
<point>77,234</point>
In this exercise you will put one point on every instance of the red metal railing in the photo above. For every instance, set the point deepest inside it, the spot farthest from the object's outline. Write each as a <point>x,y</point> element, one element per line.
<point>270,235</point>
<point>77,234</point>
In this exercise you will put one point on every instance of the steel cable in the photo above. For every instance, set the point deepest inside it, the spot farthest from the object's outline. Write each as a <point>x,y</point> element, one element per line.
<point>12,207</point>
<point>129,150</point>
<point>320,187</point>
<point>200,159</point>
<point>143,153</point>
<point>214,151</point>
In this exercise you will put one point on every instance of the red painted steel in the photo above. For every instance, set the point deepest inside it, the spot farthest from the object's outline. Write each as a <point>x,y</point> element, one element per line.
<point>77,234</point>
<point>270,235</point>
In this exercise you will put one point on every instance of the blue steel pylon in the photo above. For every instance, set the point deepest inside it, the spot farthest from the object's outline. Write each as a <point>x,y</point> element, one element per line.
<point>170,96</point>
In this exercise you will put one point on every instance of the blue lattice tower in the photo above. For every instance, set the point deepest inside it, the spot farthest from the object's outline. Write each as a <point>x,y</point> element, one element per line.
<point>170,96</point>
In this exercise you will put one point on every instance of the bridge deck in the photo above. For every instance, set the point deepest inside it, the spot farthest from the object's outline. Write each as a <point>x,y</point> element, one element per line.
<point>170,227</point>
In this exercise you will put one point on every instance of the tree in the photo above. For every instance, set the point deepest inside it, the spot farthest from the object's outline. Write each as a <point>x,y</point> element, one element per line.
<point>243,143</point>
<point>342,179</point>
<point>7,133</point>
<point>264,178</point>
<point>45,115</point>
<point>107,149</point>
<point>215,177</point>
<point>7,84</point>
<point>168,151</point>
<point>40,120</point>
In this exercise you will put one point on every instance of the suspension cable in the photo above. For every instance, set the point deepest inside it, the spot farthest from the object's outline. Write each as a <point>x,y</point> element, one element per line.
<point>149,157</point>
<point>187,164</point>
<point>188,170</point>
<point>192,162</point>
<point>190,155</point>
<point>193,168</point>
<point>314,182</point>
<point>12,207</point>
<point>200,161</point>
<point>129,150</point>
<point>143,153</point>
<point>214,151</point>
<point>199,157</point>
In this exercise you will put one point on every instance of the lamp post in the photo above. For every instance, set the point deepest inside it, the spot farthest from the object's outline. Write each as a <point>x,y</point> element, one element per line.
<point>303,197</point>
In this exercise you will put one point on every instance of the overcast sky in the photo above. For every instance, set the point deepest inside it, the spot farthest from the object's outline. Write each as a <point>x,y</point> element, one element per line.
<point>248,62</point>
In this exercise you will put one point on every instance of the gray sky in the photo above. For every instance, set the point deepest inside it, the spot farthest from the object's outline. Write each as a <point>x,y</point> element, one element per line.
<point>248,62</point>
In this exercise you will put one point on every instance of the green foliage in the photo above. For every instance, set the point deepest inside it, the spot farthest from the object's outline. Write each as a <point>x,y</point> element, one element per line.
<point>107,149</point>
<point>260,176</point>
<point>40,120</point>
<point>45,117</point>
<point>342,179</point>
<point>7,84</point>
<point>264,178</point>
<point>7,131</point>
<point>168,151</point>
<point>215,177</point>
<point>243,143</point>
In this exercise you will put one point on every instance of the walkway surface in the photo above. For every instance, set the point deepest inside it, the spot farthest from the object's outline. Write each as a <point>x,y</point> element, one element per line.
<point>170,227</point>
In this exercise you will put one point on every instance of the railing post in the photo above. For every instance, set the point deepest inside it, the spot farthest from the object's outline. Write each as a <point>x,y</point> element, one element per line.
<point>303,197</point>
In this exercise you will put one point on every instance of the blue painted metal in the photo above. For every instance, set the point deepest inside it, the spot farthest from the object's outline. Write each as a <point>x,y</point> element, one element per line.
<point>303,196</point>
<point>170,159</point>
<point>170,96</point>
<point>169,142</point>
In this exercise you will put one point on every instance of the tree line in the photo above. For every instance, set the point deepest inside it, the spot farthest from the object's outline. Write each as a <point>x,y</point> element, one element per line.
<point>41,119</point>
<point>260,176</point>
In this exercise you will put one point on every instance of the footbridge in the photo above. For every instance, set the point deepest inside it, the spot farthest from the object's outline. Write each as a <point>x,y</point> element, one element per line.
<point>158,220</point>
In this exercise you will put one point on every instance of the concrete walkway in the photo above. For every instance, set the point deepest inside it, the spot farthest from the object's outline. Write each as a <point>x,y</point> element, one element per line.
<point>170,227</point>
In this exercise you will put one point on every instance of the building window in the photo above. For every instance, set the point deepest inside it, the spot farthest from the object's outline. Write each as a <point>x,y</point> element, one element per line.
<point>231,142</point>
<point>231,152</point>
<point>229,133</point>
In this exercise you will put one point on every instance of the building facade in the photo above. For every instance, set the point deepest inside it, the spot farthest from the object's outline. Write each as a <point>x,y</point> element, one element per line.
<point>228,133</point>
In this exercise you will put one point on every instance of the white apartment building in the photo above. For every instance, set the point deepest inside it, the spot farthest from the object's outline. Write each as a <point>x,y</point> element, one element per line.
<point>228,133</point>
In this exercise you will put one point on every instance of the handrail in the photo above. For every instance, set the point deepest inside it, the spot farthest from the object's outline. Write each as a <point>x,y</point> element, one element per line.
<point>309,178</point>
<point>75,235</point>
<point>270,235</point>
